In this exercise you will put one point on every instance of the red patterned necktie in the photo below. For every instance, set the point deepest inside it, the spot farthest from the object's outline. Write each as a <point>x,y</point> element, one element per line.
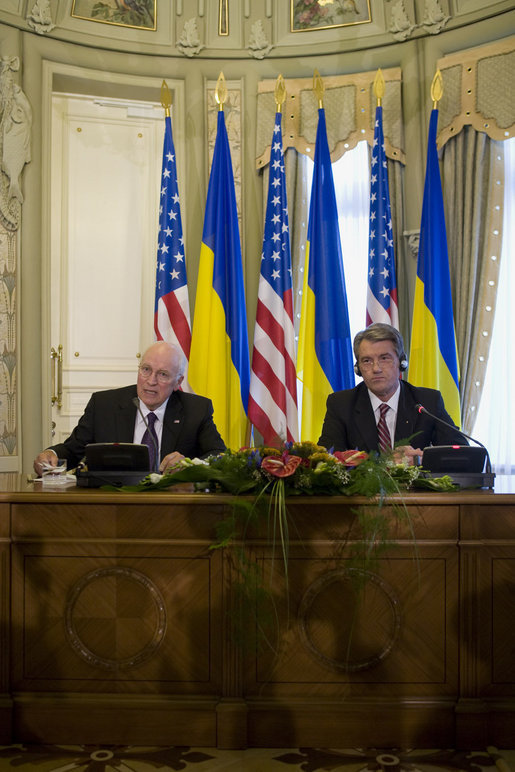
<point>385,441</point>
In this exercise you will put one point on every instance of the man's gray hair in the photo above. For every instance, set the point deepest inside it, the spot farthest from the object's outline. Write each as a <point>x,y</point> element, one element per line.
<point>377,332</point>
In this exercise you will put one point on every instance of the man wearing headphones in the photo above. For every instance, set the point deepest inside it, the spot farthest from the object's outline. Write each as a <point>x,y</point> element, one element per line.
<point>382,411</point>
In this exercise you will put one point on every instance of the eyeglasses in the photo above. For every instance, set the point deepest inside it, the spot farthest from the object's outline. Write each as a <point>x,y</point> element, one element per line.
<point>161,375</point>
<point>385,360</point>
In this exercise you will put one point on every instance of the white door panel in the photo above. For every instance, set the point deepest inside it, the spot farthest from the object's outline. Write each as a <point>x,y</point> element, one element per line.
<point>105,193</point>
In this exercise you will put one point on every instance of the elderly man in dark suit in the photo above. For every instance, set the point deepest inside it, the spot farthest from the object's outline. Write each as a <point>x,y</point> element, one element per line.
<point>183,425</point>
<point>353,417</point>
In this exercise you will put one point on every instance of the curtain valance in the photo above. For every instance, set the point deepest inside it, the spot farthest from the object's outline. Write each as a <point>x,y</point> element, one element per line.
<point>349,104</point>
<point>478,90</point>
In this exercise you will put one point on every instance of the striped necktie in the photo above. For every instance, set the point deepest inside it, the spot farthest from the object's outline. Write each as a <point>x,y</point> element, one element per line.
<point>150,440</point>
<point>385,441</point>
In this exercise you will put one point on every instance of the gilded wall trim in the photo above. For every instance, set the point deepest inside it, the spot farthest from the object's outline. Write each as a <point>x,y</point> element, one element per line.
<point>349,104</point>
<point>478,91</point>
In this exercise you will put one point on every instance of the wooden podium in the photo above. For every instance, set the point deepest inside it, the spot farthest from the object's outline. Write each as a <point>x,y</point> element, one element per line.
<point>117,625</point>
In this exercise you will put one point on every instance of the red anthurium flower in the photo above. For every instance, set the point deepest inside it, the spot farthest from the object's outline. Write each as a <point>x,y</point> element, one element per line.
<point>351,457</point>
<point>283,466</point>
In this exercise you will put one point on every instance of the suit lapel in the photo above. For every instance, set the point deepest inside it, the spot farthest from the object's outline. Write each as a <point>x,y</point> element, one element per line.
<point>406,415</point>
<point>365,420</point>
<point>172,424</point>
<point>126,418</point>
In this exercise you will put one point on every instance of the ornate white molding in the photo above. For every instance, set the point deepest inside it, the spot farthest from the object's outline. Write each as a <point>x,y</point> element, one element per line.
<point>401,26</point>
<point>15,128</point>
<point>189,43</point>
<point>259,45</point>
<point>434,18</point>
<point>40,18</point>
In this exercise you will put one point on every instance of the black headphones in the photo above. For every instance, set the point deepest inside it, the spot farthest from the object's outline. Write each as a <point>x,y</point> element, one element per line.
<point>403,364</point>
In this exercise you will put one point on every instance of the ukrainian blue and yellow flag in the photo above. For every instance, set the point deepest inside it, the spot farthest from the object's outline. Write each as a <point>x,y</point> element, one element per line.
<point>433,355</point>
<point>219,357</point>
<point>324,359</point>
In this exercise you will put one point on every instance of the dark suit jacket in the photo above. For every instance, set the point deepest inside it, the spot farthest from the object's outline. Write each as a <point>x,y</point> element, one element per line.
<point>350,423</point>
<point>110,416</point>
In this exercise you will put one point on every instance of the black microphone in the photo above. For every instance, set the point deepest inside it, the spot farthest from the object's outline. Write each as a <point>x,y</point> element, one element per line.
<point>421,409</point>
<point>135,402</point>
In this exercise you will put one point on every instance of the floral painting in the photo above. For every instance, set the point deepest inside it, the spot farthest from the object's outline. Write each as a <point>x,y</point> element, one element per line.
<point>323,14</point>
<point>126,13</point>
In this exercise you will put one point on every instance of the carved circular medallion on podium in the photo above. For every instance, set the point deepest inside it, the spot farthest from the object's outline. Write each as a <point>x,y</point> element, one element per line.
<point>349,619</point>
<point>115,618</point>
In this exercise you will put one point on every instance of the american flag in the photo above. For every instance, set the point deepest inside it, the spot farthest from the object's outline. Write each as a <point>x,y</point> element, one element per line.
<point>273,380</point>
<point>382,303</point>
<point>172,308</point>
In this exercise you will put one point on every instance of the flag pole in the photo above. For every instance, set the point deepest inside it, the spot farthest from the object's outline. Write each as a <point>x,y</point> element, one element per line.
<point>433,351</point>
<point>437,89</point>
<point>324,359</point>
<point>166,98</point>
<point>279,93</point>
<point>273,383</point>
<point>221,91</point>
<point>379,87</point>
<point>318,88</point>
<point>382,301</point>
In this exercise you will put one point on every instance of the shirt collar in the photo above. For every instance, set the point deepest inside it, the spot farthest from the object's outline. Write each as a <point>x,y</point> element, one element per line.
<point>159,412</point>
<point>393,402</point>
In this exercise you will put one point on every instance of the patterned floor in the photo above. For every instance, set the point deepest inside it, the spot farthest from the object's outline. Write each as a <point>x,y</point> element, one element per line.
<point>80,758</point>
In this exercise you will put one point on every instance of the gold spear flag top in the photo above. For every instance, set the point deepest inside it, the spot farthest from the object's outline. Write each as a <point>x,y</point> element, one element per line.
<point>318,88</point>
<point>166,98</point>
<point>221,91</point>
<point>437,89</point>
<point>279,93</point>
<point>379,87</point>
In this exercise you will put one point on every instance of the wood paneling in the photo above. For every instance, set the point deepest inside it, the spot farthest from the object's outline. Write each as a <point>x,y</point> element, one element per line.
<point>124,628</point>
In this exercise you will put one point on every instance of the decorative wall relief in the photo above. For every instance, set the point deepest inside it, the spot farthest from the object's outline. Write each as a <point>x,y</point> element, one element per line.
<point>15,128</point>
<point>406,17</point>
<point>434,17</point>
<point>40,18</point>
<point>189,42</point>
<point>258,46</point>
<point>401,26</point>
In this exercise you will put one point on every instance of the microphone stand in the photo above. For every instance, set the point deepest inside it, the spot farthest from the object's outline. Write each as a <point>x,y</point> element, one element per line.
<point>487,477</point>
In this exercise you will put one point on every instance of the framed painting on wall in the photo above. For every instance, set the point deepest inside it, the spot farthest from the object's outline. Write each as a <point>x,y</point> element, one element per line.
<point>325,14</point>
<point>140,14</point>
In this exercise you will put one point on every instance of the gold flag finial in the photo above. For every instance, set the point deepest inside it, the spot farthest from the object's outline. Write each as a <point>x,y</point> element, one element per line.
<point>437,89</point>
<point>379,87</point>
<point>318,88</point>
<point>221,91</point>
<point>279,93</point>
<point>166,98</point>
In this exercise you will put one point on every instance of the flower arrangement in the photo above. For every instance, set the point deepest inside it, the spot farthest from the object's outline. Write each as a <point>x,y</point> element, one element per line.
<point>299,468</point>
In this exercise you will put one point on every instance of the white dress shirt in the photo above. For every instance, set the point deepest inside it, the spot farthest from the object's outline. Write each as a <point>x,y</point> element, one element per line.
<point>391,416</point>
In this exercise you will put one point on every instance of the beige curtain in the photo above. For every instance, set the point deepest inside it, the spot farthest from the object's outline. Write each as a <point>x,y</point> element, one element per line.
<point>473,185</point>
<point>476,113</point>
